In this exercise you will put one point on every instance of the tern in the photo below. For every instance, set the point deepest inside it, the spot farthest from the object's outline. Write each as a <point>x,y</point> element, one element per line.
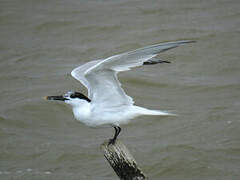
<point>107,103</point>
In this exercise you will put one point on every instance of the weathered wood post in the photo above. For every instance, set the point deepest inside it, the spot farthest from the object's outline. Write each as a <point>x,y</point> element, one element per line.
<point>122,161</point>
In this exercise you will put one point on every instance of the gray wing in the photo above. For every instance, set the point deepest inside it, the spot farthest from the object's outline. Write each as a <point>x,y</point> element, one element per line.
<point>126,61</point>
<point>106,90</point>
<point>78,73</point>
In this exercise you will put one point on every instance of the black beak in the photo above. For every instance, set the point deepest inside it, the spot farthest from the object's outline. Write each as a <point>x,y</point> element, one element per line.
<point>57,98</point>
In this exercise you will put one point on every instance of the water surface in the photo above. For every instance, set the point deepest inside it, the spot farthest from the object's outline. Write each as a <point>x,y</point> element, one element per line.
<point>41,42</point>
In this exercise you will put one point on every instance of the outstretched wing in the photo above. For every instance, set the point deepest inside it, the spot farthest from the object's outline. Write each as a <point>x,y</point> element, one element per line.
<point>78,73</point>
<point>105,89</point>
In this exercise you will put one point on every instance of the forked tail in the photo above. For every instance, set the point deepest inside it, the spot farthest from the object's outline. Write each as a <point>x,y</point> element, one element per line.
<point>159,113</point>
<point>150,112</point>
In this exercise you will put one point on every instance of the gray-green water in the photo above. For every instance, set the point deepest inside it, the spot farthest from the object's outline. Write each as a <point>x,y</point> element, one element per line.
<point>42,41</point>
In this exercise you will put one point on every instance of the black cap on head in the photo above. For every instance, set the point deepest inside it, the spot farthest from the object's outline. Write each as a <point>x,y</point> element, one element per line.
<point>68,95</point>
<point>80,96</point>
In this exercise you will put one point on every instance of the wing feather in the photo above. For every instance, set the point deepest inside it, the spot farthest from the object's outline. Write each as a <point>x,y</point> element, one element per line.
<point>100,77</point>
<point>79,73</point>
<point>126,61</point>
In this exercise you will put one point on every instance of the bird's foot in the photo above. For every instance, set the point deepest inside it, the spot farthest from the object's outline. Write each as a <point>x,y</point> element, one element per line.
<point>117,131</point>
<point>111,141</point>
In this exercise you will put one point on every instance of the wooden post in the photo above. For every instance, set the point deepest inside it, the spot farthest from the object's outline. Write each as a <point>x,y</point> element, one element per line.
<point>122,161</point>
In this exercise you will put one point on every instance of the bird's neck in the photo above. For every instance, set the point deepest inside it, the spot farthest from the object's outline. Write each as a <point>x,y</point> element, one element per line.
<point>82,112</point>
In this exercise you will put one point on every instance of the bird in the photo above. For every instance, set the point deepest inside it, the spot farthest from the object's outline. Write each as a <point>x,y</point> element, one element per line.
<point>107,104</point>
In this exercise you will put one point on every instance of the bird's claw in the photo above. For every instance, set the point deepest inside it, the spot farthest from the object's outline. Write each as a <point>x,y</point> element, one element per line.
<point>111,141</point>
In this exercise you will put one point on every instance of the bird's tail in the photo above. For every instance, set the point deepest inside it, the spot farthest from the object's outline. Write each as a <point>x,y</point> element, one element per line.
<point>160,113</point>
<point>150,112</point>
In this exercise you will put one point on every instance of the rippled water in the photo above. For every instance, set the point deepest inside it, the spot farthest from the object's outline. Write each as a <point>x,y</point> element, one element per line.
<point>42,41</point>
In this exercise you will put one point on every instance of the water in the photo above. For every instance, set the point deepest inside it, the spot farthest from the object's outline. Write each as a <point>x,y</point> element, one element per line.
<point>41,42</point>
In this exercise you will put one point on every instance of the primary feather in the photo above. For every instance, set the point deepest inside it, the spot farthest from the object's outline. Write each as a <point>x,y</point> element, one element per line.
<point>100,76</point>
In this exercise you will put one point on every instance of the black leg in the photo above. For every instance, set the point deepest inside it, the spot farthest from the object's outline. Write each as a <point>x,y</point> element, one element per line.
<point>117,131</point>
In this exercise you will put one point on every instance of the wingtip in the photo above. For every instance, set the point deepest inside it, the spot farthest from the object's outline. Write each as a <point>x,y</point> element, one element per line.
<point>187,41</point>
<point>73,72</point>
<point>192,41</point>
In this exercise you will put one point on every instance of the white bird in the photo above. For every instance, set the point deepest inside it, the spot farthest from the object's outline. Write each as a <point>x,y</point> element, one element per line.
<point>107,103</point>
